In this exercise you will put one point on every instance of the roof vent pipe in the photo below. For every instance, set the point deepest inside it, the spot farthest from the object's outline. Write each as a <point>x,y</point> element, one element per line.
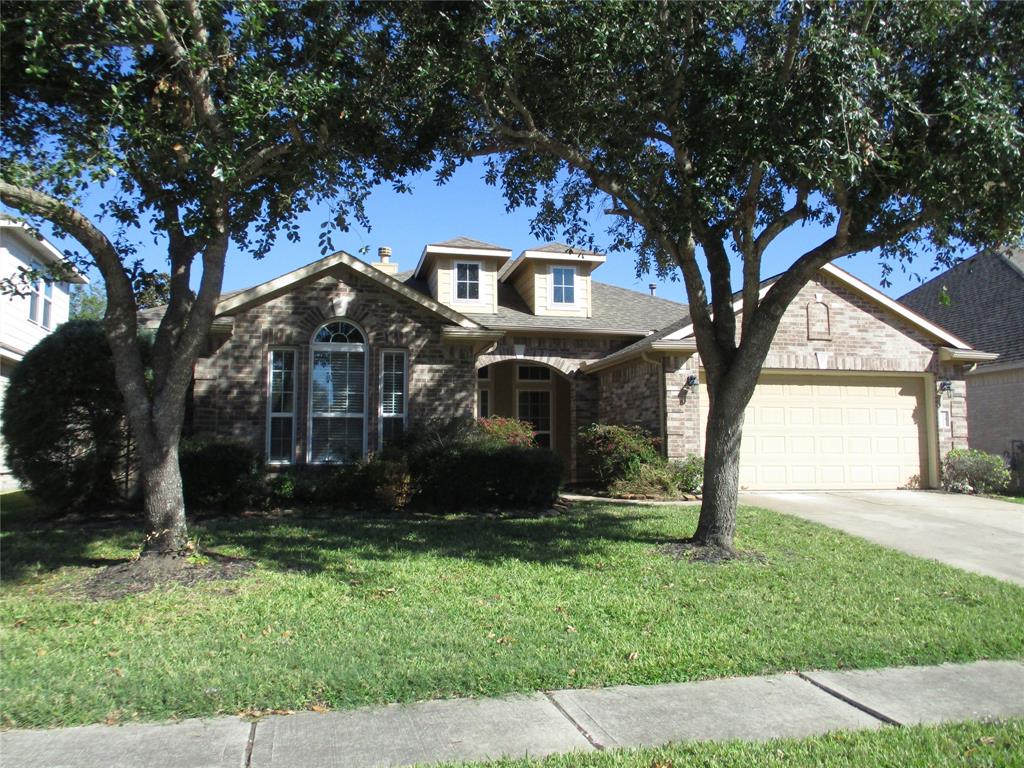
<point>653,287</point>
<point>384,263</point>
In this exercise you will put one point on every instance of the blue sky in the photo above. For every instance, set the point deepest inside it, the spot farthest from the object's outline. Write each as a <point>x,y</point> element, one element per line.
<point>468,206</point>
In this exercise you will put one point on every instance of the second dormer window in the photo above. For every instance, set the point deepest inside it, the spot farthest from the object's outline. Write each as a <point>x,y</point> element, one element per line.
<point>467,281</point>
<point>563,281</point>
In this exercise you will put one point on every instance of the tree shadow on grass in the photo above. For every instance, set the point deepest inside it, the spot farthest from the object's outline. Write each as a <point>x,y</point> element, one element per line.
<point>312,543</point>
<point>33,542</point>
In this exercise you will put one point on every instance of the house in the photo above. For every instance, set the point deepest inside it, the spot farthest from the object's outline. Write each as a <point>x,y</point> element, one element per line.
<point>331,361</point>
<point>25,319</point>
<point>981,300</point>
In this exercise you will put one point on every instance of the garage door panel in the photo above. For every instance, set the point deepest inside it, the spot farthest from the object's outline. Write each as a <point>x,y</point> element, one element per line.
<point>831,431</point>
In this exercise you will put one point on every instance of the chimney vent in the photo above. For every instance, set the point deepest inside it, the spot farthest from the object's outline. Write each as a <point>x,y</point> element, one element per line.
<point>653,287</point>
<point>384,263</point>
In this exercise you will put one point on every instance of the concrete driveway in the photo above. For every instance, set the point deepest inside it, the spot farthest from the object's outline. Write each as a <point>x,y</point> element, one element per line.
<point>981,535</point>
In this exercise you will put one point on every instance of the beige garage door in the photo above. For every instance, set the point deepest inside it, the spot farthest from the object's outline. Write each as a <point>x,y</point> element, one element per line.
<point>824,431</point>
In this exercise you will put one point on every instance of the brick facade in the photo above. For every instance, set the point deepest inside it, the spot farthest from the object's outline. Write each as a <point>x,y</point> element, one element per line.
<point>230,393</point>
<point>995,414</point>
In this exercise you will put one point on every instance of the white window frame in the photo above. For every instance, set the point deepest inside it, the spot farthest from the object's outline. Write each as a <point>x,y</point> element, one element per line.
<point>575,288</point>
<point>40,305</point>
<point>545,382</point>
<point>380,393</point>
<point>539,386</point>
<point>295,401</point>
<point>337,347</point>
<point>479,281</point>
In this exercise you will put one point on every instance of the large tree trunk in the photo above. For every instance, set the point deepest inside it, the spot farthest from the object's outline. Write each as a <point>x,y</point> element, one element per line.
<point>717,523</point>
<point>164,504</point>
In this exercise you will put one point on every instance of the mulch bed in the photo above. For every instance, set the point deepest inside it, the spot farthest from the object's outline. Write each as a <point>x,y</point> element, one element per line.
<point>147,573</point>
<point>701,553</point>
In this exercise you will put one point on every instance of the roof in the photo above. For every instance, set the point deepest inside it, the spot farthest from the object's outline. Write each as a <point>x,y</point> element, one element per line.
<point>236,301</point>
<point>468,242</point>
<point>44,250</point>
<point>615,310</point>
<point>682,329</point>
<point>562,248</point>
<point>986,302</point>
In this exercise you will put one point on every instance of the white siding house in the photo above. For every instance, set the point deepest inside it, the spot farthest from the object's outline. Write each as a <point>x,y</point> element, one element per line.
<point>24,320</point>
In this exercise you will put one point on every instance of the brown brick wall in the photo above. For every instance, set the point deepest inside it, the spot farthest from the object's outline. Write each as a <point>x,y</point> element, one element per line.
<point>631,395</point>
<point>231,382</point>
<point>995,409</point>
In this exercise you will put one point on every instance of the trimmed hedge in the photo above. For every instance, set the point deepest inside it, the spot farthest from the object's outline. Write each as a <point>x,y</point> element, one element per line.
<point>218,475</point>
<point>618,453</point>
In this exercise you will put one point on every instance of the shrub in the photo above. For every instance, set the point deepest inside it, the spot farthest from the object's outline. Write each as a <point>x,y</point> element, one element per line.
<point>218,474</point>
<point>690,473</point>
<point>654,479</point>
<point>63,420</point>
<point>970,471</point>
<point>506,431</point>
<point>618,453</point>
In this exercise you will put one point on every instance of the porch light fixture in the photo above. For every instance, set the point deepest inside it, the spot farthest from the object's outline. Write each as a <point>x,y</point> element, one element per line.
<point>691,381</point>
<point>945,386</point>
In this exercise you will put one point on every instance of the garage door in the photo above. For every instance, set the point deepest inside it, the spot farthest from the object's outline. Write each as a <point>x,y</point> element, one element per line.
<point>822,431</point>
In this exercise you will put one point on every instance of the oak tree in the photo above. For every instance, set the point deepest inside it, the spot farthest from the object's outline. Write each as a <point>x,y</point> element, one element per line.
<point>206,124</point>
<point>708,129</point>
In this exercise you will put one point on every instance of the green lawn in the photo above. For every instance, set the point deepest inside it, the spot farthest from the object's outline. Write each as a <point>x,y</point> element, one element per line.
<point>344,611</point>
<point>964,745</point>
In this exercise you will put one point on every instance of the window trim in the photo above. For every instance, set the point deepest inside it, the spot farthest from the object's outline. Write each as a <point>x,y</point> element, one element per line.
<point>315,346</point>
<point>270,399</point>
<point>575,288</point>
<point>519,377</point>
<point>40,307</point>
<point>479,281</point>
<point>490,399</point>
<point>380,392</point>
<point>534,386</point>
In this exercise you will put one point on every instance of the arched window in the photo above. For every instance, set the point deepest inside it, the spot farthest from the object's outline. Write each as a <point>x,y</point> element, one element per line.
<point>337,393</point>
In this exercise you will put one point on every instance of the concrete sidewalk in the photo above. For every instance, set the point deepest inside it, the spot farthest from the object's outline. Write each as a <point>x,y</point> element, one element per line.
<point>756,708</point>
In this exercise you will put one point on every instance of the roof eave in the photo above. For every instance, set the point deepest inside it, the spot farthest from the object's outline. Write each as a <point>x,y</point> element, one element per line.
<point>661,346</point>
<point>965,356</point>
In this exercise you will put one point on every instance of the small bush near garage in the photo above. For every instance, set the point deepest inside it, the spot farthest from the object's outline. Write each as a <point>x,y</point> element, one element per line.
<point>617,453</point>
<point>218,475</point>
<point>690,473</point>
<point>970,471</point>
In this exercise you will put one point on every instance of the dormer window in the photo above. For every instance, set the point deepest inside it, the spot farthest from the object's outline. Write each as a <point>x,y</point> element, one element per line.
<point>563,285</point>
<point>467,281</point>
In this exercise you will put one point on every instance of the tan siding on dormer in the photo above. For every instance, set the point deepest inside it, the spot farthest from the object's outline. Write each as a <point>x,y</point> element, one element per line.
<point>544,307</point>
<point>524,284</point>
<point>442,284</point>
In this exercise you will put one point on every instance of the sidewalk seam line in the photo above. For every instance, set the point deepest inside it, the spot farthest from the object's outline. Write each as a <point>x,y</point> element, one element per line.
<point>583,731</point>
<point>852,702</point>
<point>249,744</point>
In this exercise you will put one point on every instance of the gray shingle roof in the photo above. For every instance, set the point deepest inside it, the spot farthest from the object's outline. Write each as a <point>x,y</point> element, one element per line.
<point>562,248</point>
<point>614,309</point>
<point>986,307</point>
<point>469,242</point>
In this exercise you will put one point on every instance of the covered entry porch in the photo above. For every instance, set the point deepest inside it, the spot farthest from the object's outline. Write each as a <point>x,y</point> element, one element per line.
<point>533,391</point>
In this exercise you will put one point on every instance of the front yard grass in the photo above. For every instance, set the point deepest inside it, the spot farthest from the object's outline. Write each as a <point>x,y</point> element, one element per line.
<point>345,611</point>
<point>967,745</point>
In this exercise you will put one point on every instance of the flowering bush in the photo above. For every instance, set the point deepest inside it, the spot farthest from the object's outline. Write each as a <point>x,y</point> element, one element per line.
<point>507,431</point>
<point>619,453</point>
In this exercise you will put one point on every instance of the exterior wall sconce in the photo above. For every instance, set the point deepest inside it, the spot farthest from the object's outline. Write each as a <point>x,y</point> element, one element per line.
<point>691,381</point>
<point>945,386</point>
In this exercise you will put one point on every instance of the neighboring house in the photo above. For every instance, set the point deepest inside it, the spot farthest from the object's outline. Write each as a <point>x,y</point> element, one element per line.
<point>329,362</point>
<point>981,300</point>
<point>26,319</point>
